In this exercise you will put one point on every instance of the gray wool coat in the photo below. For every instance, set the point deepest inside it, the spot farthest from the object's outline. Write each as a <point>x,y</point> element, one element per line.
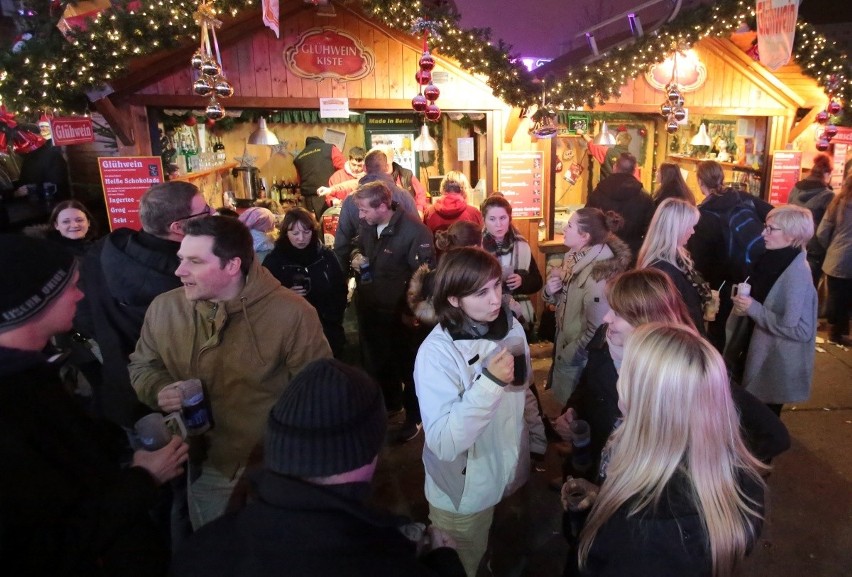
<point>780,361</point>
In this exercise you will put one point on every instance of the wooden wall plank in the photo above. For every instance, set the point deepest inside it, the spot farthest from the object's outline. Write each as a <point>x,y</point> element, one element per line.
<point>231,66</point>
<point>261,57</point>
<point>394,70</point>
<point>277,69</point>
<point>245,61</point>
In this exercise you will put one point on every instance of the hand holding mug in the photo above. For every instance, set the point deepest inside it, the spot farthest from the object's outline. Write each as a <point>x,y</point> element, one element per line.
<point>435,538</point>
<point>741,304</point>
<point>170,398</point>
<point>554,281</point>
<point>502,366</point>
<point>357,261</point>
<point>562,424</point>
<point>163,464</point>
<point>513,281</point>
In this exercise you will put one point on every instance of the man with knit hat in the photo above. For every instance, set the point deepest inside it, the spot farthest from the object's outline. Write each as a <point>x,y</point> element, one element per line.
<point>67,506</point>
<point>310,517</point>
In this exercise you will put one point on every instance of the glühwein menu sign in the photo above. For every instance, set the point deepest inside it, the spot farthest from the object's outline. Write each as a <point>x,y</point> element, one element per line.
<point>785,173</point>
<point>519,178</point>
<point>124,180</point>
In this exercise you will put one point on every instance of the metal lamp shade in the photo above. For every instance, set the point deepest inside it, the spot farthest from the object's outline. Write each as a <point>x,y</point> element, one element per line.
<point>263,135</point>
<point>425,142</point>
<point>605,138</point>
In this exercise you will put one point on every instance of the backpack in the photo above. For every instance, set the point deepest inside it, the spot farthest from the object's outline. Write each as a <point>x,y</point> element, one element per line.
<point>743,233</point>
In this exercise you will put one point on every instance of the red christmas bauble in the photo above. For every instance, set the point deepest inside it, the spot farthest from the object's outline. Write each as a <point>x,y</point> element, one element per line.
<point>419,103</point>
<point>433,113</point>
<point>423,77</point>
<point>209,123</point>
<point>431,93</point>
<point>191,120</point>
<point>427,62</point>
<point>834,107</point>
<point>822,144</point>
<point>822,117</point>
<point>830,131</point>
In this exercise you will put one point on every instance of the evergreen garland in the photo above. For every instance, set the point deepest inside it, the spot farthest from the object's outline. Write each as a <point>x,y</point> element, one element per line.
<point>51,73</point>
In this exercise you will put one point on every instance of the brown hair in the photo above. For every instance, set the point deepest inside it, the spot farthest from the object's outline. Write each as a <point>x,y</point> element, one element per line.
<point>461,272</point>
<point>647,295</point>
<point>165,203</point>
<point>76,204</point>
<point>297,214</point>
<point>838,204</point>
<point>460,234</point>
<point>495,200</point>
<point>375,193</point>
<point>672,184</point>
<point>597,224</point>
<point>711,175</point>
<point>231,238</point>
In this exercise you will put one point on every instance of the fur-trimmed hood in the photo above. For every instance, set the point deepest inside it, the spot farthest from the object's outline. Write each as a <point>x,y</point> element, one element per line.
<point>419,295</point>
<point>618,263</point>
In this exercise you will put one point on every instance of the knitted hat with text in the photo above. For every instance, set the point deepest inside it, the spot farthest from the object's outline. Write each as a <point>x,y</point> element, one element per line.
<point>34,274</point>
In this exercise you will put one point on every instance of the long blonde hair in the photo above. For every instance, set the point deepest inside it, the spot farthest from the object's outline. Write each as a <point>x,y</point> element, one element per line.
<point>671,221</point>
<point>679,416</point>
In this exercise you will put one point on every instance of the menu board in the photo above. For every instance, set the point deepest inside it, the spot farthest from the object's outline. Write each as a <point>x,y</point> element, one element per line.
<point>124,180</point>
<point>785,173</point>
<point>519,178</point>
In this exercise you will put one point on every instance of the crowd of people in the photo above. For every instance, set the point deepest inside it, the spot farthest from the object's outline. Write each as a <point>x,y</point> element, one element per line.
<point>227,338</point>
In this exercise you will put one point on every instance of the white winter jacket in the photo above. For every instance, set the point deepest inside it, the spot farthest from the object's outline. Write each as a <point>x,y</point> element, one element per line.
<point>478,433</point>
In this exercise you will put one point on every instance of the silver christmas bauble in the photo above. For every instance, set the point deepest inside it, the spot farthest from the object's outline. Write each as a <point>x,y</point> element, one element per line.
<point>202,86</point>
<point>215,110</point>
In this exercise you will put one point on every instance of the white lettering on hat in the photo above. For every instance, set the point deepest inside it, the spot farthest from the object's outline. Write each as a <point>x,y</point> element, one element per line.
<point>54,282</point>
<point>23,309</point>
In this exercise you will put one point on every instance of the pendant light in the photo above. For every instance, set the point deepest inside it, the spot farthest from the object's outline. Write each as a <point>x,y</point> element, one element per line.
<point>605,137</point>
<point>425,142</point>
<point>263,135</point>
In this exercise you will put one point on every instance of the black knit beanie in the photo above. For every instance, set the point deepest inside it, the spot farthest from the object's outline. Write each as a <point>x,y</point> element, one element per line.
<point>330,419</point>
<point>34,274</point>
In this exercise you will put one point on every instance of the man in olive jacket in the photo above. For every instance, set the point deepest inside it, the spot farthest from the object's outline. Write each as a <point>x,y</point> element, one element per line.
<point>234,327</point>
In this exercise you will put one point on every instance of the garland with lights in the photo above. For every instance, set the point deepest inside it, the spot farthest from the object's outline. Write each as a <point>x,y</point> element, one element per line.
<point>49,72</point>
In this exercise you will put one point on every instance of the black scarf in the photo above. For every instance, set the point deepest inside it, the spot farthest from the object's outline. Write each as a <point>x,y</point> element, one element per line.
<point>490,244</point>
<point>768,268</point>
<point>301,256</point>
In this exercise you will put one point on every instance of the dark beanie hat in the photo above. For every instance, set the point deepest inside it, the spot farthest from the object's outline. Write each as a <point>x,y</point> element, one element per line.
<point>330,419</point>
<point>34,274</point>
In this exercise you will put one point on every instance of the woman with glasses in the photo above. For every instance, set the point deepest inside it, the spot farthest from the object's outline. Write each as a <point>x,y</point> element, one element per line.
<point>771,331</point>
<point>301,263</point>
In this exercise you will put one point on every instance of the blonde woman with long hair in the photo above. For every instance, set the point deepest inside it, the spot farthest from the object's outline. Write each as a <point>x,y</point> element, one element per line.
<point>664,248</point>
<point>682,494</point>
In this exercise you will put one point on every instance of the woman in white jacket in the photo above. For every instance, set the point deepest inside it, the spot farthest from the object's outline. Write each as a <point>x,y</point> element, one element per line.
<point>473,375</point>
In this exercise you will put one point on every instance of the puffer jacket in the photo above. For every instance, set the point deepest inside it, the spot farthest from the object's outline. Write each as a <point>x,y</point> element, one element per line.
<point>580,309</point>
<point>478,433</point>
<point>261,340</point>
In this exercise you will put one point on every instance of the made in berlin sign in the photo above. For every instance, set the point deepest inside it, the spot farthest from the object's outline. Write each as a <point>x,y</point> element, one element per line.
<point>329,53</point>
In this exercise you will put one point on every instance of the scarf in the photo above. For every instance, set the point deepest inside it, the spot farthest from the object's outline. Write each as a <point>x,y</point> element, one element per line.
<point>301,256</point>
<point>768,268</point>
<point>489,244</point>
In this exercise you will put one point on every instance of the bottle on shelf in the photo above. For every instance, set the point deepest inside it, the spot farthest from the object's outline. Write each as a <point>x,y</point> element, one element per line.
<point>262,191</point>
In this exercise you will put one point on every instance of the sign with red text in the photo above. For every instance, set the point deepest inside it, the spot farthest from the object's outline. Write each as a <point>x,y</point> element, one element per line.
<point>71,130</point>
<point>329,53</point>
<point>124,180</point>
<point>519,178</point>
<point>776,27</point>
<point>785,173</point>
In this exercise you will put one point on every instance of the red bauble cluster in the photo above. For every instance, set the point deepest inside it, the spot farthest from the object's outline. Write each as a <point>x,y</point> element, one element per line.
<point>830,131</point>
<point>424,102</point>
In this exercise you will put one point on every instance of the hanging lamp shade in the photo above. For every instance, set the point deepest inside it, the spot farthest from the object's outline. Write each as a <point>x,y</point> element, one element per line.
<point>263,135</point>
<point>605,137</point>
<point>425,142</point>
<point>701,138</point>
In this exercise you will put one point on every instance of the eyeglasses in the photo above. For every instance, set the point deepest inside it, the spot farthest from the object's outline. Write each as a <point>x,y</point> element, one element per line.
<point>769,229</point>
<point>206,212</point>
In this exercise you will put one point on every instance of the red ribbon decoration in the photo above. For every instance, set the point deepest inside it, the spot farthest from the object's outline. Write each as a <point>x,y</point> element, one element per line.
<point>23,141</point>
<point>7,117</point>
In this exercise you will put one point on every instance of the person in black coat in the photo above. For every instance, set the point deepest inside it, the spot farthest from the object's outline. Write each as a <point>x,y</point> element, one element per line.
<point>623,193</point>
<point>67,505</point>
<point>122,273</point>
<point>301,263</point>
<point>709,245</point>
<point>681,495</point>
<point>310,517</point>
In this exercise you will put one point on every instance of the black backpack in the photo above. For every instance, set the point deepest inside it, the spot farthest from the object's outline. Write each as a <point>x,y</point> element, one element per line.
<point>743,233</point>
